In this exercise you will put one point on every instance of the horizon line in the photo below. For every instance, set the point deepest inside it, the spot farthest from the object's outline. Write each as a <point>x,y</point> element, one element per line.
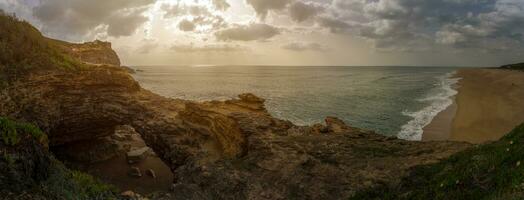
<point>254,65</point>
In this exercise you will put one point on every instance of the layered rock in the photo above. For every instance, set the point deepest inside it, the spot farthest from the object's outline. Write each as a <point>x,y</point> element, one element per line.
<point>96,52</point>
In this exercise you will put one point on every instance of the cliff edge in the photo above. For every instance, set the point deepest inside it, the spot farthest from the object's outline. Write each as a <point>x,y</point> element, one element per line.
<point>93,53</point>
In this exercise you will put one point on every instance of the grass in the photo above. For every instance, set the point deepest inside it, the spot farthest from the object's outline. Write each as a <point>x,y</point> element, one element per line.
<point>489,171</point>
<point>13,132</point>
<point>24,48</point>
<point>68,184</point>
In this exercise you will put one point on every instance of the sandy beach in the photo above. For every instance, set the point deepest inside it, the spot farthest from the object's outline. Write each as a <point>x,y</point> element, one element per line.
<point>490,103</point>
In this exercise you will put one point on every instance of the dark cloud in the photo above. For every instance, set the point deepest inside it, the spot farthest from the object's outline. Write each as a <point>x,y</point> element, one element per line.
<point>333,24</point>
<point>79,17</point>
<point>248,32</point>
<point>300,11</point>
<point>262,7</point>
<point>186,25</point>
<point>300,46</point>
<point>125,24</point>
<point>419,25</point>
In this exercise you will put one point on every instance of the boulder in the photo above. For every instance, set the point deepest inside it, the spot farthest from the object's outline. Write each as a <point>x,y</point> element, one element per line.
<point>137,155</point>
<point>135,172</point>
<point>128,194</point>
<point>335,125</point>
<point>151,172</point>
<point>119,137</point>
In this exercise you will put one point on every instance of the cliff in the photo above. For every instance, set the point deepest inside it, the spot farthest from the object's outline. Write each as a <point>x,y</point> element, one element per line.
<point>94,53</point>
<point>518,66</point>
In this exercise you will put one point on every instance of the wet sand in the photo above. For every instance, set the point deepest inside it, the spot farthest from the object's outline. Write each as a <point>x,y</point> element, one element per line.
<point>440,127</point>
<point>115,171</point>
<point>490,103</point>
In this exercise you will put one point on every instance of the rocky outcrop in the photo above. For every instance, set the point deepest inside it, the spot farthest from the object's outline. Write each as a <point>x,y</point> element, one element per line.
<point>96,52</point>
<point>518,66</point>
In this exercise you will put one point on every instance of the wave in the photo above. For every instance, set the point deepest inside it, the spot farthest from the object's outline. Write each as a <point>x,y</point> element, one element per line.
<point>439,100</point>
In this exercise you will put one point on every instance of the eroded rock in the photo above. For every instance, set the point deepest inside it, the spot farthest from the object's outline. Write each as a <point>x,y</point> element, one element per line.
<point>151,172</point>
<point>135,172</point>
<point>137,155</point>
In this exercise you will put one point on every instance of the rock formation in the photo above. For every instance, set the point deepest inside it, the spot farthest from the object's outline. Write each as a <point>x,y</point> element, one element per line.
<point>95,53</point>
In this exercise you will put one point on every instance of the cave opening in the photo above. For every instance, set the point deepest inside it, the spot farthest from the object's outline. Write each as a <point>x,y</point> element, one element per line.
<point>122,159</point>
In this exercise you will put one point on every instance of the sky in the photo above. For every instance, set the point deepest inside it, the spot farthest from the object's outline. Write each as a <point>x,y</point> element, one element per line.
<point>289,32</point>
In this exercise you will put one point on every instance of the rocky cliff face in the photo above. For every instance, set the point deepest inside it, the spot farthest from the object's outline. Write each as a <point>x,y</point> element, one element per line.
<point>95,53</point>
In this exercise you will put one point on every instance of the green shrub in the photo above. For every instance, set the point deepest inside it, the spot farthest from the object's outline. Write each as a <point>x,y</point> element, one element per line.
<point>8,129</point>
<point>68,184</point>
<point>23,47</point>
<point>9,159</point>
<point>489,171</point>
<point>12,132</point>
<point>91,187</point>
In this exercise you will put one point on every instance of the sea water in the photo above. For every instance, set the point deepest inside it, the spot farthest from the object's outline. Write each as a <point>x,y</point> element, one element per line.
<point>393,101</point>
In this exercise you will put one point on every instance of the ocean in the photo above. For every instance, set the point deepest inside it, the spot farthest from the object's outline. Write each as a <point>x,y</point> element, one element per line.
<point>393,101</point>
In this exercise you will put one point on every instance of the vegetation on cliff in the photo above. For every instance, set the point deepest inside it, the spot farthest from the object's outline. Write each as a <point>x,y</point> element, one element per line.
<point>518,66</point>
<point>12,132</point>
<point>489,171</point>
<point>30,171</point>
<point>22,47</point>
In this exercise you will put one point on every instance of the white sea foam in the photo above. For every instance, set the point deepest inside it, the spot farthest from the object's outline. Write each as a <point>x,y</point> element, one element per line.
<point>439,99</point>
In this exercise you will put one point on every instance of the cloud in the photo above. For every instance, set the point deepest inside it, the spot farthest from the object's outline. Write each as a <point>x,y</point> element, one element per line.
<point>262,7</point>
<point>248,32</point>
<point>413,25</point>
<point>77,18</point>
<point>300,11</point>
<point>19,7</point>
<point>148,45</point>
<point>186,25</point>
<point>125,24</point>
<point>171,11</point>
<point>207,48</point>
<point>300,46</point>
<point>221,4</point>
<point>334,25</point>
<point>201,17</point>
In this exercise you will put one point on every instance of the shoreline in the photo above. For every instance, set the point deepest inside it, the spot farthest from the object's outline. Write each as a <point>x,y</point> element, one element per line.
<point>439,129</point>
<point>487,106</point>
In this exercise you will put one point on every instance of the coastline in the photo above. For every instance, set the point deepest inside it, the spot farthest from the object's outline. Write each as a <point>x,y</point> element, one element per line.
<point>439,129</point>
<point>487,106</point>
